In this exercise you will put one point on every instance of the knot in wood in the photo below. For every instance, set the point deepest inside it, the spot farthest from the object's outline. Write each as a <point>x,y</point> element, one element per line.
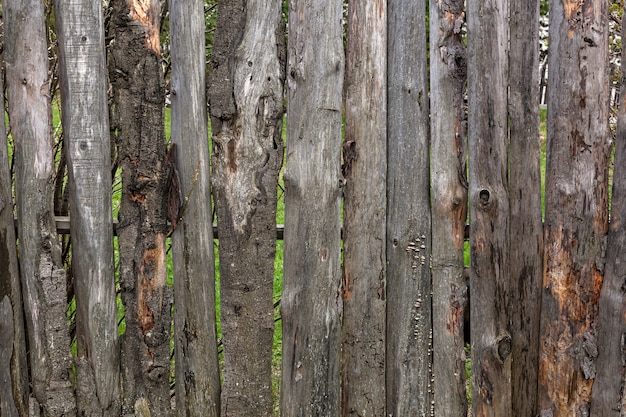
<point>503,347</point>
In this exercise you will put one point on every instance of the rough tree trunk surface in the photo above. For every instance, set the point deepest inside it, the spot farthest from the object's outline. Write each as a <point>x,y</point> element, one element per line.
<point>197,373</point>
<point>43,276</point>
<point>608,396</point>
<point>409,312</point>
<point>526,261</point>
<point>14,383</point>
<point>576,216</point>
<point>364,171</point>
<point>489,206</point>
<point>136,74</point>
<point>608,399</point>
<point>311,303</point>
<point>576,201</point>
<point>80,32</point>
<point>246,99</point>
<point>448,73</point>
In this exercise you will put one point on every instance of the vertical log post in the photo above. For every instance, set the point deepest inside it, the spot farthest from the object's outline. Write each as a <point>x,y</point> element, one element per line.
<point>608,395</point>
<point>80,33</point>
<point>311,302</point>
<point>448,74</point>
<point>488,39</point>
<point>364,170</point>
<point>14,394</point>
<point>409,311</point>
<point>246,99</point>
<point>197,372</point>
<point>576,215</point>
<point>526,261</point>
<point>137,77</point>
<point>43,276</point>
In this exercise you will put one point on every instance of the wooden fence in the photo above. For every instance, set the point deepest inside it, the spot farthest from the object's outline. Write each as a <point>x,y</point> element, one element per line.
<point>384,159</point>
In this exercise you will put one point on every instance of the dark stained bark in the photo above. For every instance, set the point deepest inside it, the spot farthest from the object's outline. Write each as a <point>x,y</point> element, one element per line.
<point>526,261</point>
<point>80,33</point>
<point>43,276</point>
<point>14,394</point>
<point>608,396</point>
<point>364,170</point>
<point>246,104</point>
<point>197,371</point>
<point>489,206</point>
<point>448,73</point>
<point>409,311</point>
<point>576,216</point>
<point>311,303</point>
<point>136,75</point>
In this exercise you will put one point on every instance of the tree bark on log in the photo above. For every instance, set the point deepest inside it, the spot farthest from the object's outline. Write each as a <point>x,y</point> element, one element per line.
<point>409,312</point>
<point>246,104</point>
<point>197,369</point>
<point>137,116</point>
<point>311,303</point>
<point>80,33</point>
<point>526,243</point>
<point>448,74</point>
<point>608,395</point>
<point>43,277</point>
<point>15,395</point>
<point>364,170</point>
<point>491,342</point>
<point>576,219</point>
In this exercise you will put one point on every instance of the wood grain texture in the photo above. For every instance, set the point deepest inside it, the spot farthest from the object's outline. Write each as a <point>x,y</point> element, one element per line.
<point>311,303</point>
<point>365,207</point>
<point>43,276</point>
<point>487,27</point>
<point>197,372</point>
<point>409,311</point>
<point>526,244</point>
<point>576,215</point>
<point>448,74</point>
<point>80,33</point>
<point>246,101</point>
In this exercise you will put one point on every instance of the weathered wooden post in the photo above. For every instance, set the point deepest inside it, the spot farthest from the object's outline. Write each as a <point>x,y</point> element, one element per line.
<point>197,373</point>
<point>13,368</point>
<point>576,215</point>
<point>136,75</point>
<point>608,396</point>
<point>526,228</point>
<point>80,33</point>
<point>43,276</point>
<point>365,207</point>
<point>311,303</point>
<point>409,312</point>
<point>448,74</point>
<point>488,38</point>
<point>246,104</point>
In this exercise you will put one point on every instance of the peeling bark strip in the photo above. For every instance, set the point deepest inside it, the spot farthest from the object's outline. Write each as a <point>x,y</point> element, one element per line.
<point>245,93</point>
<point>136,74</point>
<point>448,73</point>
<point>609,395</point>
<point>576,219</point>
<point>43,276</point>
<point>311,303</point>
<point>197,372</point>
<point>489,206</point>
<point>409,313</point>
<point>80,32</point>
<point>365,167</point>
<point>16,396</point>
<point>525,205</point>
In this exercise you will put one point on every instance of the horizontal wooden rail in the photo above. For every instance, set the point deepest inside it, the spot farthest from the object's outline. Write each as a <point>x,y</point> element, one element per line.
<point>63,228</point>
